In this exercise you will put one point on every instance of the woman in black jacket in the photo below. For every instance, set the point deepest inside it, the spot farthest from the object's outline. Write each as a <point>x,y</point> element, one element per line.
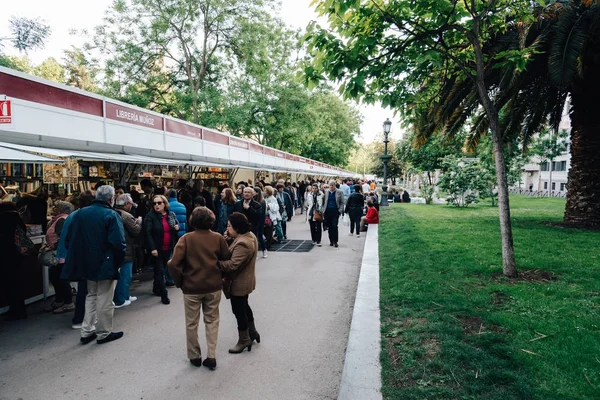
<point>160,228</point>
<point>11,277</point>
<point>354,209</point>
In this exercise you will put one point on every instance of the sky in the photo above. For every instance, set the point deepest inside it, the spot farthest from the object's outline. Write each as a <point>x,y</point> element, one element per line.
<point>64,16</point>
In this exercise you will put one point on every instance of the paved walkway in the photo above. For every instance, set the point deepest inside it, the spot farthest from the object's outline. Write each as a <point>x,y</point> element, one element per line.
<point>303,308</point>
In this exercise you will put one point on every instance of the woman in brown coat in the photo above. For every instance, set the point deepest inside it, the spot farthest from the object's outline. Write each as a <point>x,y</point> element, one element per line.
<point>194,269</point>
<point>241,269</point>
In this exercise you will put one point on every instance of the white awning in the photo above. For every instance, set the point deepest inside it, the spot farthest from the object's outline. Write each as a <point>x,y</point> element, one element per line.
<point>8,155</point>
<point>34,151</point>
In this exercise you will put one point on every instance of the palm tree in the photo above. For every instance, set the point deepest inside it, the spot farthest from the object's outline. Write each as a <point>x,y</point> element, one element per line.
<point>563,50</point>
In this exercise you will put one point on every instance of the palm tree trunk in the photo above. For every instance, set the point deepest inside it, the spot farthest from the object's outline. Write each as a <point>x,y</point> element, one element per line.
<point>583,187</point>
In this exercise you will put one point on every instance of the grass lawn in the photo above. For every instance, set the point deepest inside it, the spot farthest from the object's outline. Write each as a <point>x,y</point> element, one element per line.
<point>454,328</point>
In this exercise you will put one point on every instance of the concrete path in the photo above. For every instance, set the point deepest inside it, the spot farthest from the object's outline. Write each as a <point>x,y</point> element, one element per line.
<point>303,308</point>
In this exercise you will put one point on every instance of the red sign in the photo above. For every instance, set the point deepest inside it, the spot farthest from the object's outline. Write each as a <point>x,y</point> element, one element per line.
<point>133,116</point>
<point>5,112</point>
<point>215,137</point>
<point>184,129</point>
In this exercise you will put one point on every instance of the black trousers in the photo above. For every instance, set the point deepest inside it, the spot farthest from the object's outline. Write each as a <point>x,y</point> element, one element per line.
<point>62,289</point>
<point>80,302</point>
<point>355,223</point>
<point>332,217</point>
<point>315,231</point>
<point>242,311</point>
<point>11,281</point>
<point>268,231</point>
<point>160,264</point>
<point>284,228</point>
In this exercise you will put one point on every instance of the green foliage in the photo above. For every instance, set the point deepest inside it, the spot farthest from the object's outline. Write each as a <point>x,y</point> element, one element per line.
<point>427,157</point>
<point>226,65</point>
<point>464,181</point>
<point>26,34</point>
<point>550,145</point>
<point>396,167</point>
<point>50,69</point>
<point>452,328</point>
<point>22,63</point>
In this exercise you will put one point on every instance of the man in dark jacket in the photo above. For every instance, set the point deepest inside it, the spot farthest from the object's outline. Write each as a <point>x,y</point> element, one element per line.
<point>133,226</point>
<point>251,208</point>
<point>95,251</point>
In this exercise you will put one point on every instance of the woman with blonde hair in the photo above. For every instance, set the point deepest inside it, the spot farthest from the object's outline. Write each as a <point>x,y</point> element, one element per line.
<point>274,215</point>
<point>160,227</point>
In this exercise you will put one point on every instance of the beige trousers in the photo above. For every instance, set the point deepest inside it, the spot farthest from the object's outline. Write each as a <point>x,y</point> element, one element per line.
<point>99,309</point>
<point>209,303</point>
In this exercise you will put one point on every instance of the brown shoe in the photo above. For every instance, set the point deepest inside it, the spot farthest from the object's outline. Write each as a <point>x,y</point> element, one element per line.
<point>243,342</point>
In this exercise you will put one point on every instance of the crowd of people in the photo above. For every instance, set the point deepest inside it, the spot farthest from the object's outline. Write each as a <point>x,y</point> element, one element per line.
<point>202,244</point>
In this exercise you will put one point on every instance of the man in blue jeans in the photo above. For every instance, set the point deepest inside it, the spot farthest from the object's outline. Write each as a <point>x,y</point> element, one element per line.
<point>124,204</point>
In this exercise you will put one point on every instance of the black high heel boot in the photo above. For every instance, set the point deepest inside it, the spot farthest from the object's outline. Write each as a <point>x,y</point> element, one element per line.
<point>254,335</point>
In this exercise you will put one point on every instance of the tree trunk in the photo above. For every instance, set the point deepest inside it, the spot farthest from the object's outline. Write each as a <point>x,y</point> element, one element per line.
<point>583,188</point>
<point>550,178</point>
<point>509,265</point>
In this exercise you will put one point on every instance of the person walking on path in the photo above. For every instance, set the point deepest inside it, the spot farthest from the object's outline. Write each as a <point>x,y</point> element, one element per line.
<point>354,209</point>
<point>241,270</point>
<point>274,215</point>
<point>334,205</point>
<point>194,269</point>
<point>133,226</point>
<point>85,199</point>
<point>346,190</point>
<point>371,218</point>
<point>315,204</point>
<point>63,298</point>
<point>250,208</point>
<point>226,205</point>
<point>161,235</point>
<point>96,248</point>
<point>258,197</point>
<point>366,188</point>
<point>288,207</point>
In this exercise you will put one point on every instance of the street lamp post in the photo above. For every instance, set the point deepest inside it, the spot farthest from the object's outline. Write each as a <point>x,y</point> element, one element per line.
<point>387,127</point>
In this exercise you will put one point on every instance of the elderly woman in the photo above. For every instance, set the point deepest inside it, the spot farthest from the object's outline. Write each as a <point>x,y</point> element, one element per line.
<point>194,269</point>
<point>274,215</point>
<point>241,270</point>
<point>63,299</point>
<point>315,203</point>
<point>161,235</point>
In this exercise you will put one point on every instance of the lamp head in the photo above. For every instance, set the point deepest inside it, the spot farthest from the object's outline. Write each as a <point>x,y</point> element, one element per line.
<point>387,126</point>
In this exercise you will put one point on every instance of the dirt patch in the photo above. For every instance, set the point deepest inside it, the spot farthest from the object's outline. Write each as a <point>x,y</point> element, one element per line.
<point>529,275</point>
<point>475,326</point>
<point>393,353</point>
<point>432,347</point>
<point>471,325</point>
<point>498,298</point>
